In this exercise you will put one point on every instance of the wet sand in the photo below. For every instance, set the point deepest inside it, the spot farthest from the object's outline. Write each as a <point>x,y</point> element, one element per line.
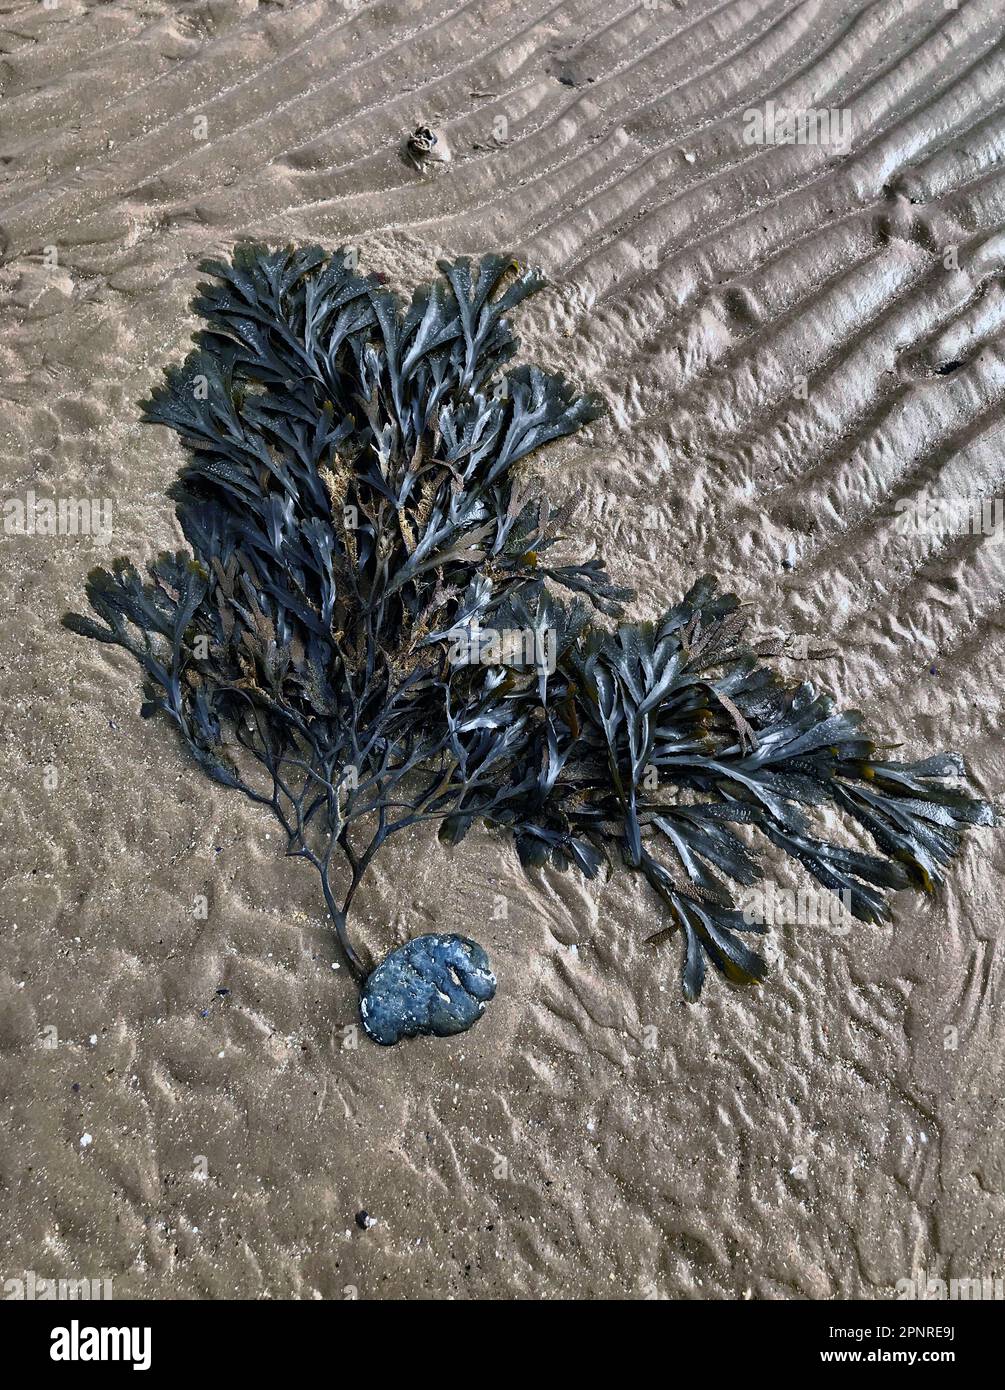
<point>789,348</point>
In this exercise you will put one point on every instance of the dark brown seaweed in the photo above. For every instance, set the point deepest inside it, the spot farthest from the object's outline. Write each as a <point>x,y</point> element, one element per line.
<point>355,522</point>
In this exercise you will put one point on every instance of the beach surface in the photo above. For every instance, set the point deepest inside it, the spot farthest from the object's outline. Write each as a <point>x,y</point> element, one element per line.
<point>799,344</point>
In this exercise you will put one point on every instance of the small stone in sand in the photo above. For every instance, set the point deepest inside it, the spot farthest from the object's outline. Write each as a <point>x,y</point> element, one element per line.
<point>426,146</point>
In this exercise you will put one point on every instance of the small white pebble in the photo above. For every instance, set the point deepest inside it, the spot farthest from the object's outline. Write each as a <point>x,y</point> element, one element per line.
<point>85,1140</point>
<point>93,1039</point>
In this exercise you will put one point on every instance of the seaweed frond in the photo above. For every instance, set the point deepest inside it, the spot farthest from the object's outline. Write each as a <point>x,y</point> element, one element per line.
<point>370,633</point>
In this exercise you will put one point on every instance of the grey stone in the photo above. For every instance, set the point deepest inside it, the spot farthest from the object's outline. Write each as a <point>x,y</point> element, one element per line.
<point>432,984</point>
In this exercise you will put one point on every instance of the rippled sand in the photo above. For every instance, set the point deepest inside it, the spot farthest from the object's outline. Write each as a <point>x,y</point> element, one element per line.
<point>593,1136</point>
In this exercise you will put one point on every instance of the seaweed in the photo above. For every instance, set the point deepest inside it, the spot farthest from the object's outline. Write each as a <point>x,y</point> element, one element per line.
<point>338,642</point>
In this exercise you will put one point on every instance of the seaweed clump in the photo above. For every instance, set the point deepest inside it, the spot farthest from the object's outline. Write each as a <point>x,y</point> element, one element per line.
<point>370,631</point>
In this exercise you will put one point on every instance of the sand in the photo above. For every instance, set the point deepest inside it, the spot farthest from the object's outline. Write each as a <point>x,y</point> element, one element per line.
<point>792,339</point>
